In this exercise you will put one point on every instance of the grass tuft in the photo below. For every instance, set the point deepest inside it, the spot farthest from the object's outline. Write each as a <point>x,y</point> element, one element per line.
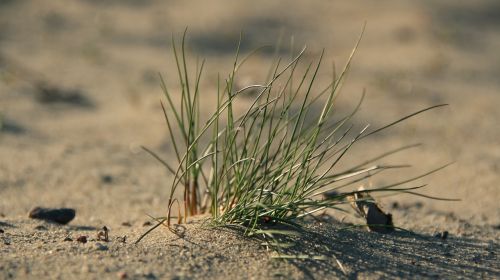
<point>267,167</point>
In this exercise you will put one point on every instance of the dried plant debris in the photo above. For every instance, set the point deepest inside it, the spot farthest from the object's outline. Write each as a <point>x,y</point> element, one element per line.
<point>366,206</point>
<point>102,235</point>
<point>122,239</point>
<point>57,215</point>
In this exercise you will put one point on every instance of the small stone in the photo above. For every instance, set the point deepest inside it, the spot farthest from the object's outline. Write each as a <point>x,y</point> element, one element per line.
<point>68,239</point>
<point>146,224</point>
<point>107,179</point>
<point>122,275</point>
<point>40,227</point>
<point>101,247</point>
<point>82,239</point>
<point>444,235</point>
<point>126,224</point>
<point>58,215</point>
<point>332,194</point>
<point>1,230</point>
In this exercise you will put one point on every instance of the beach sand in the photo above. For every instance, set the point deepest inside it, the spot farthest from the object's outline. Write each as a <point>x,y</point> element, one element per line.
<point>82,150</point>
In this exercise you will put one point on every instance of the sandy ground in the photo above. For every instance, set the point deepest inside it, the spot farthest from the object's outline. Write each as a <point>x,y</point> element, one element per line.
<point>83,152</point>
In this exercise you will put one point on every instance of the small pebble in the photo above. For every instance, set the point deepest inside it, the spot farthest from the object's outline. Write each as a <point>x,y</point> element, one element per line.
<point>122,275</point>
<point>108,179</point>
<point>476,259</point>
<point>126,224</point>
<point>68,239</point>
<point>1,230</point>
<point>40,227</point>
<point>331,194</point>
<point>101,247</point>
<point>58,215</point>
<point>82,239</point>
<point>147,223</point>
<point>442,235</point>
<point>418,204</point>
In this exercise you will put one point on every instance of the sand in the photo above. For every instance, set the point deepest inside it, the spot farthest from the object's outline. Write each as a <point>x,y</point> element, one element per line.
<point>83,151</point>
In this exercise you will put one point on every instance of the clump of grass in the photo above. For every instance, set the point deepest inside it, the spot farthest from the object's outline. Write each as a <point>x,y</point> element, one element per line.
<point>271,163</point>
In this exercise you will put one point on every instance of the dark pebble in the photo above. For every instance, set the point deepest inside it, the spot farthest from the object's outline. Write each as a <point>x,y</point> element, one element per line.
<point>126,224</point>
<point>82,239</point>
<point>101,247</point>
<point>50,94</point>
<point>395,205</point>
<point>332,194</point>
<point>147,223</point>
<point>108,179</point>
<point>58,215</point>
<point>68,239</point>
<point>1,230</point>
<point>444,235</point>
<point>418,204</point>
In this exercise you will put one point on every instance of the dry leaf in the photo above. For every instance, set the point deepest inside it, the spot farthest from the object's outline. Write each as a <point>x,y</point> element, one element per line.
<point>367,207</point>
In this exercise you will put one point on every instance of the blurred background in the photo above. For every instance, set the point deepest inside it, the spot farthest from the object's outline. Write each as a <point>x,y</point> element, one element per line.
<point>79,92</point>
